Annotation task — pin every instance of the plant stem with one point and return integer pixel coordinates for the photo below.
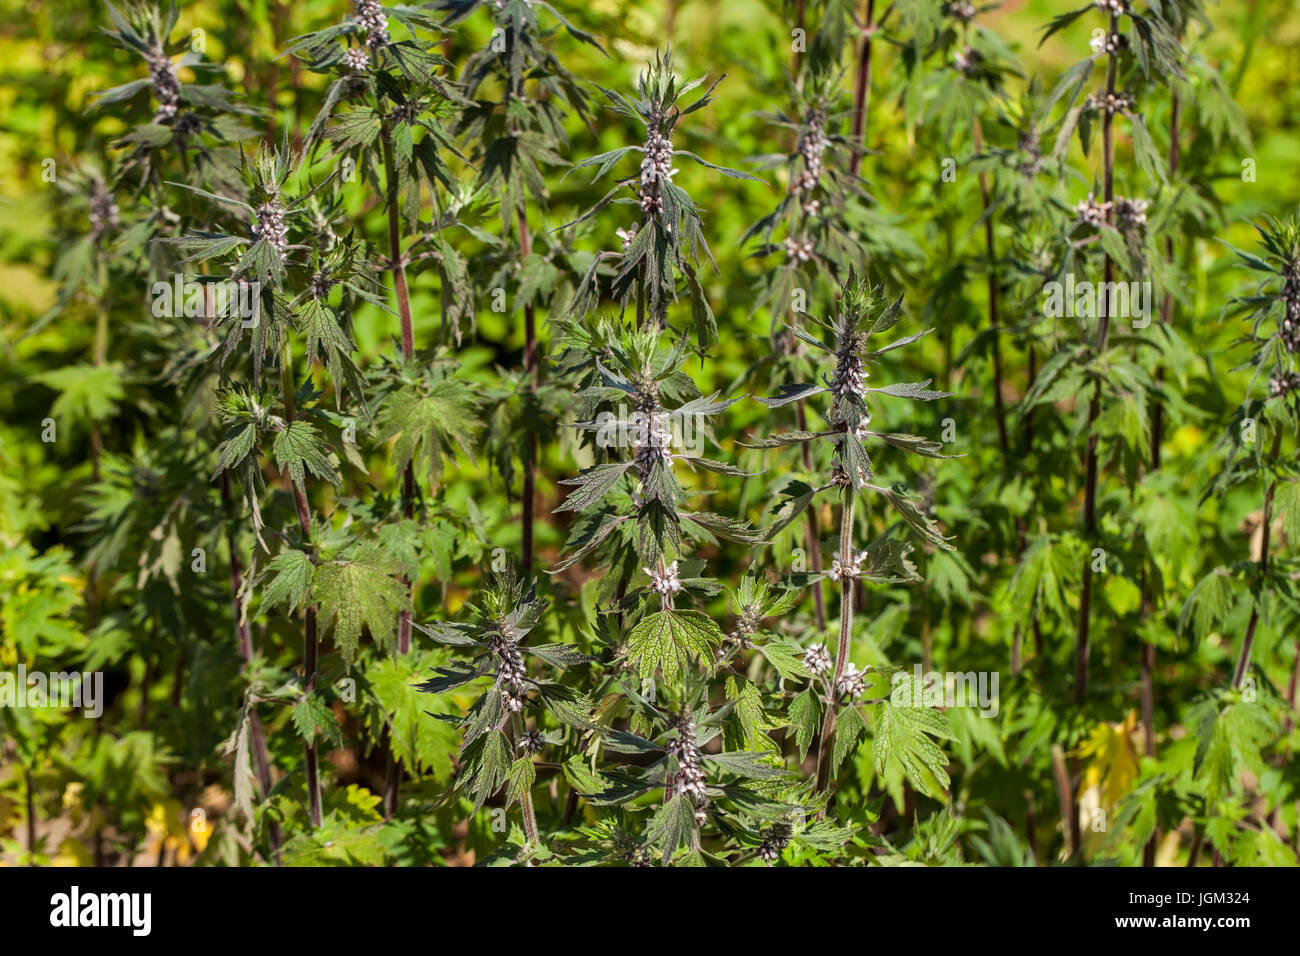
(986, 193)
(824, 753)
(1291, 692)
(812, 536)
(862, 90)
(1243, 660)
(526, 798)
(31, 815)
(393, 777)
(97, 441)
(244, 636)
(1031, 825)
(309, 640)
(1068, 814)
(1195, 850)
(1167, 304)
(1094, 407)
(403, 296)
(533, 371)
(1157, 429)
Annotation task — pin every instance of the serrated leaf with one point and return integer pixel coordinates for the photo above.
(520, 780)
(292, 581)
(485, 766)
(671, 827)
(905, 734)
(671, 641)
(300, 449)
(804, 715)
(592, 486)
(313, 718)
(361, 591)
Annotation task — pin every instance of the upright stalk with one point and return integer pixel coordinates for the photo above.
(244, 636)
(990, 249)
(1167, 304)
(309, 639)
(1065, 792)
(812, 535)
(393, 777)
(97, 441)
(243, 632)
(824, 753)
(862, 89)
(31, 815)
(1157, 437)
(533, 370)
(525, 798)
(1094, 407)
(1243, 659)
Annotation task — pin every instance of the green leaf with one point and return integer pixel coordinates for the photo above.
(1286, 502)
(485, 767)
(671, 827)
(292, 581)
(592, 486)
(849, 731)
(671, 641)
(300, 449)
(786, 657)
(588, 782)
(905, 502)
(87, 393)
(904, 734)
(238, 446)
(313, 718)
(520, 781)
(804, 714)
(747, 721)
(418, 740)
(361, 592)
(430, 421)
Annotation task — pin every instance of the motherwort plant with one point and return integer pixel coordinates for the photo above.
(521, 96)
(863, 312)
(666, 237)
(1118, 226)
(1267, 415)
(383, 115)
(819, 215)
(498, 745)
(344, 579)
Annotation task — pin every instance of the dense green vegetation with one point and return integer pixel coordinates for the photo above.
(577, 434)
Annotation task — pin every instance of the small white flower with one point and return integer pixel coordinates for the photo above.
(370, 17)
(663, 580)
(852, 682)
(799, 250)
(357, 60)
(1132, 213)
(817, 659)
(853, 570)
(1092, 213)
